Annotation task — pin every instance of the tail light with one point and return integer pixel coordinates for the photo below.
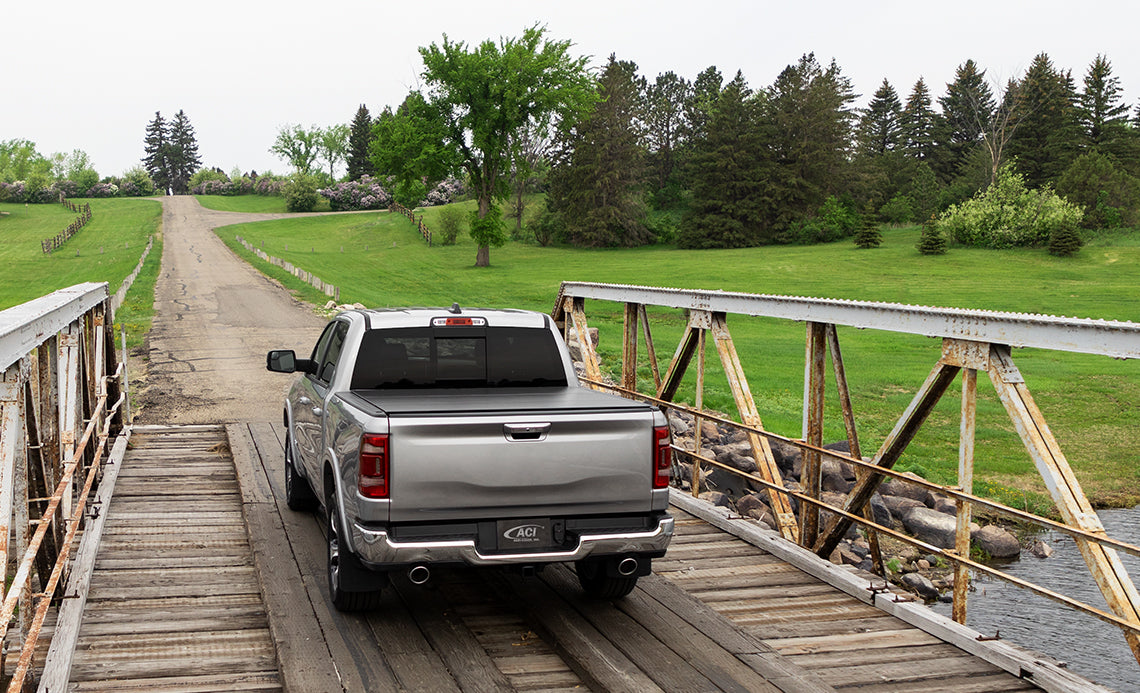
(662, 457)
(373, 477)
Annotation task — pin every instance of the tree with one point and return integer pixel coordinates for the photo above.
(182, 157)
(486, 94)
(298, 146)
(809, 112)
(664, 122)
(931, 241)
(410, 145)
(1109, 196)
(1047, 135)
(966, 109)
(359, 160)
(729, 176)
(332, 146)
(1065, 241)
(157, 149)
(916, 123)
(868, 236)
(530, 147)
(880, 128)
(597, 188)
(701, 100)
(1103, 116)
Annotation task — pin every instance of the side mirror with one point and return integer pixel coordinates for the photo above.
(281, 361)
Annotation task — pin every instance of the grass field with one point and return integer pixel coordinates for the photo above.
(1092, 403)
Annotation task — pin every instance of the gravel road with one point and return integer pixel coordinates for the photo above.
(215, 317)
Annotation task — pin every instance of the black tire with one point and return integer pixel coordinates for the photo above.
(299, 494)
(340, 561)
(597, 583)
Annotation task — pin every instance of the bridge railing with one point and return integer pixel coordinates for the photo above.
(972, 341)
(61, 399)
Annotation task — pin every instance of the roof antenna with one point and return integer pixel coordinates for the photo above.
(455, 309)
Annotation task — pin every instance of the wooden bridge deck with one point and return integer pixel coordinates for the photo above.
(180, 601)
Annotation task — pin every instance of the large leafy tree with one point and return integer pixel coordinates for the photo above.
(486, 94)
(880, 128)
(298, 146)
(729, 175)
(332, 146)
(597, 189)
(1047, 136)
(359, 161)
(157, 149)
(183, 156)
(967, 107)
(410, 145)
(916, 123)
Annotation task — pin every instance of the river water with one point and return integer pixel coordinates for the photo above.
(1092, 648)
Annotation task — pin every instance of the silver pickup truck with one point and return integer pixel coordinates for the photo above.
(449, 436)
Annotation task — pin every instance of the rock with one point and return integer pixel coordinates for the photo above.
(726, 482)
(945, 505)
(930, 526)
(900, 505)
(923, 564)
(750, 502)
(848, 557)
(716, 498)
(883, 514)
(898, 487)
(833, 480)
(330, 304)
(786, 456)
(920, 585)
(358, 306)
(997, 542)
(1041, 549)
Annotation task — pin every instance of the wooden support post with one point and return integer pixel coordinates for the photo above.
(629, 348)
(1104, 564)
(750, 416)
(856, 450)
(699, 405)
(904, 431)
(11, 452)
(815, 360)
(966, 485)
(677, 367)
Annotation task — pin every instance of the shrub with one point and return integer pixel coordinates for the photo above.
(136, 182)
(1008, 215)
(12, 192)
(106, 189)
(450, 222)
(898, 210)
(1109, 196)
(444, 192)
(365, 193)
(206, 175)
(1065, 240)
(69, 188)
(300, 193)
(548, 227)
(270, 186)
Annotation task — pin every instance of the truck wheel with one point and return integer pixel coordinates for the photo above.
(341, 562)
(298, 493)
(597, 583)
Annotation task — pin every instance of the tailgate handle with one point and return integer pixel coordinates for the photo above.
(526, 431)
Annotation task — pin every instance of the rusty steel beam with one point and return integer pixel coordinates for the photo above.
(904, 431)
(28, 325)
(750, 416)
(650, 350)
(1106, 337)
(698, 420)
(815, 362)
(1119, 592)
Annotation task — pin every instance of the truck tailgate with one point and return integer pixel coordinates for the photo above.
(528, 452)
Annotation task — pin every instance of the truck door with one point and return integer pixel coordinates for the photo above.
(308, 410)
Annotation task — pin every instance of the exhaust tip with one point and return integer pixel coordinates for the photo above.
(419, 574)
(627, 567)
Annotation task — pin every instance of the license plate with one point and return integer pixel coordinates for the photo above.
(524, 535)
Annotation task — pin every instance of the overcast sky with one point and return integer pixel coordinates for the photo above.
(90, 75)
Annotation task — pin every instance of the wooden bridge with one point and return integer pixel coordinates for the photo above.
(190, 574)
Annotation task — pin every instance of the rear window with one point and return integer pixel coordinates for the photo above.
(426, 357)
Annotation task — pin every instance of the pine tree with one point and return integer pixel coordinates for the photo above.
(665, 121)
(183, 153)
(157, 149)
(596, 189)
(868, 236)
(1047, 135)
(916, 123)
(1102, 109)
(728, 176)
(967, 108)
(879, 129)
(931, 241)
(359, 162)
(1065, 241)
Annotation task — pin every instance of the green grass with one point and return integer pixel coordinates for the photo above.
(259, 204)
(106, 250)
(1092, 403)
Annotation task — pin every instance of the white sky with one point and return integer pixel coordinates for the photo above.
(90, 75)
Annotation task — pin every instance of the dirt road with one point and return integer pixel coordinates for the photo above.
(215, 317)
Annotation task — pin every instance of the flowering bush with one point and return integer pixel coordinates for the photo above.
(103, 190)
(1009, 215)
(365, 193)
(445, 192)
(69, 188)
(136, 182)
(12, 192)
(270, 186)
